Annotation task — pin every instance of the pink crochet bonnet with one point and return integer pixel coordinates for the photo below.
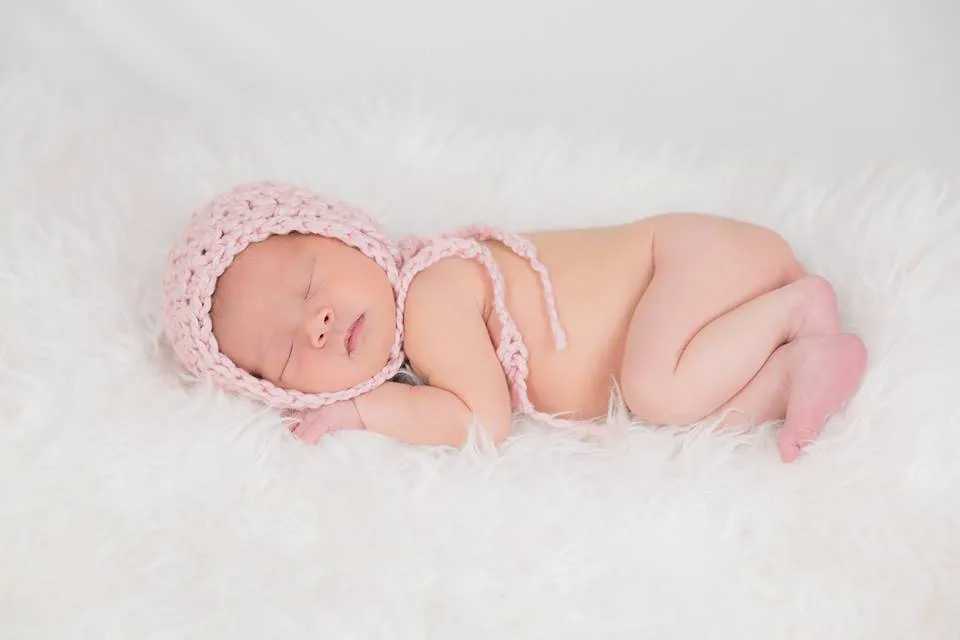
(216, 234)
(248, 213)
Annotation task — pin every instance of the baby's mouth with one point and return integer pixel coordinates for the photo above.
(352, 337)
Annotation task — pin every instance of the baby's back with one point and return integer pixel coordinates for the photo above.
(598, 277)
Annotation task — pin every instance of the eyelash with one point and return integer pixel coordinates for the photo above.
(306, 294)
(310, 282)
(287, 362)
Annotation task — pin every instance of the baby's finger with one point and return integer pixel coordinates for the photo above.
(308, 432)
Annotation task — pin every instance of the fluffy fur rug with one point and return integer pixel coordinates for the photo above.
(135, 507)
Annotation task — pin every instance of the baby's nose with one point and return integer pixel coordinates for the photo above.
(320, 325)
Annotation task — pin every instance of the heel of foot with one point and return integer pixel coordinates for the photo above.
(826, 378)
(818, 310)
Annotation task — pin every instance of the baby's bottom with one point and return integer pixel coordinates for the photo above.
(731, 323)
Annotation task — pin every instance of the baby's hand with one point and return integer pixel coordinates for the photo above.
(313, 424)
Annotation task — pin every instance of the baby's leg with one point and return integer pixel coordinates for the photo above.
(804, 381)
(714, 311)
(724, 297)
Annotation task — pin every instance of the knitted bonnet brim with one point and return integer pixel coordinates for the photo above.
(216, 234)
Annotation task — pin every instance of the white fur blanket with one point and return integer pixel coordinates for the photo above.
(133, 507)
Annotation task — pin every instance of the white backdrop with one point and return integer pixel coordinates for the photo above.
(134, 507)
(834, 80)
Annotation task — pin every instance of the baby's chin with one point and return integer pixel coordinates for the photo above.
(347, 380)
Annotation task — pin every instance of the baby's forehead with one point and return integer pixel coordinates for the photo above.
(265, 269)
(253, 267)
(276, 243)
(257, 255)
(268, 263)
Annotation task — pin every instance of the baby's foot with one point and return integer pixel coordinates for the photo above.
(825, 375)
(817, 311)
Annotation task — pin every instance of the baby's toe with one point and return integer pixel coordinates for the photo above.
(790, 446)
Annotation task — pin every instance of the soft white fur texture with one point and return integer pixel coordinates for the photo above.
(133, 506)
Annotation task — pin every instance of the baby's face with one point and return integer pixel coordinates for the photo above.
(305, 312)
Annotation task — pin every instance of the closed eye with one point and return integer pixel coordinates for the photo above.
(306, 293)
(286, 362)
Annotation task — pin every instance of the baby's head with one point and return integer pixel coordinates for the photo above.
(284, 296)
(305, 312)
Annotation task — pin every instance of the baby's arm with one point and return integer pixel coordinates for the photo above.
(415, 414)
(447, 340)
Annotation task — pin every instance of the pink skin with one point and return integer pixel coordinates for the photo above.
(822, 367)
(313, 425)
(825, 372)
(311, 313)
(809, 377)
(305, 312)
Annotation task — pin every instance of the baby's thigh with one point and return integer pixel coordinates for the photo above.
(704, 267)
(710, 257)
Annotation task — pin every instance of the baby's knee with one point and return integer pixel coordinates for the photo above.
(658, 398)
(781, 256)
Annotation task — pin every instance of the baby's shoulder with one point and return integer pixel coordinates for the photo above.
(446, 295)
(449, 284)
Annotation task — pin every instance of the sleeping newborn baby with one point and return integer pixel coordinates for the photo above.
(305, 304)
